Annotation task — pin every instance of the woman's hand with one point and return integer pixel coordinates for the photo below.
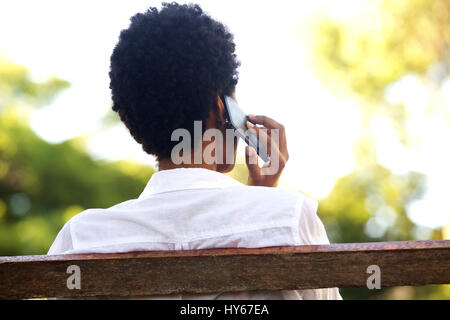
(270, 173)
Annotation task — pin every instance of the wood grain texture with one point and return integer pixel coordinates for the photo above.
(224, 270)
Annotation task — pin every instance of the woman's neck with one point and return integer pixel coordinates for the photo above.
(167, 164)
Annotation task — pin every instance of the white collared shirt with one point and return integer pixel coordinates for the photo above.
(186, 209)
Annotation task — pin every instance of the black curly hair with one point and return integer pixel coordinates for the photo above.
(167, 71)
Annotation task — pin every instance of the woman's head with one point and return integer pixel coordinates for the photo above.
(167, 71)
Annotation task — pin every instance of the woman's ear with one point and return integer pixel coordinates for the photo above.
(220, 110)
(216, 118)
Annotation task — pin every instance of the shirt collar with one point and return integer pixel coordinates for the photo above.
(186, 179)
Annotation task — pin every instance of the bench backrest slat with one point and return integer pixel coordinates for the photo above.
(225, 270)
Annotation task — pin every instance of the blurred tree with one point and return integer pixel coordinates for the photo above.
(366, 57)
(369, 205)
(42, 185)
(17, 86)
(398, 38)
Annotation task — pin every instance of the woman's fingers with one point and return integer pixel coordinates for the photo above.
(265, 121)
(262, 134)
(271, 124)
(251, 159)
(267, 135)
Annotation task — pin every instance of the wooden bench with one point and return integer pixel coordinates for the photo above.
(223, 270)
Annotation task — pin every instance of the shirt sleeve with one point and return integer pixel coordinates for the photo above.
(63, 241)
(311, 228)
(312, 232)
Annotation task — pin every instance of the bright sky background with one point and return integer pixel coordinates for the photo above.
(73, 40)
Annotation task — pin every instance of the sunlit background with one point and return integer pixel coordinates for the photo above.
(362, 87)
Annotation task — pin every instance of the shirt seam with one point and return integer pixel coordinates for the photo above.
(144, 196)
(286, 223)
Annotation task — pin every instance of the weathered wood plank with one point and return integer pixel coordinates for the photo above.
(223, 270)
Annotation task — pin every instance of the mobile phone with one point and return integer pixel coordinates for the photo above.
(237, 119)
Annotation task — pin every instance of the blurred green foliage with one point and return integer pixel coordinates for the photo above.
(400, 37)
(43, 185)
(16, 84)
(364, 57)
(369, 205)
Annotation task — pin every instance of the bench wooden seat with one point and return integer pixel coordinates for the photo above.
(223, 270)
